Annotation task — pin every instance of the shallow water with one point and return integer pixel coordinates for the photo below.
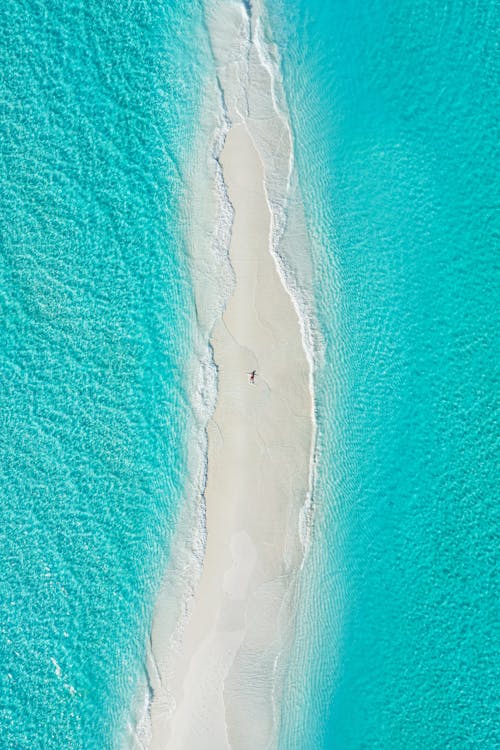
(98, 112)
(392, 110)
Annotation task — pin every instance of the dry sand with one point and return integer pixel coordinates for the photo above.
(223, 677)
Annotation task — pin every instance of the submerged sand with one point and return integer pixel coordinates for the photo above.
(217, 686)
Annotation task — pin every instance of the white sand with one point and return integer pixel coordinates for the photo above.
(218, 687)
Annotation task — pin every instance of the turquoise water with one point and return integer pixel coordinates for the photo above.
(98, 105)
(392, 106)
(394, 110)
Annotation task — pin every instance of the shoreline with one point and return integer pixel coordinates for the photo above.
(260, 455)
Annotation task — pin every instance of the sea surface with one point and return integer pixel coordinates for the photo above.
(394, 108)
(98, 105)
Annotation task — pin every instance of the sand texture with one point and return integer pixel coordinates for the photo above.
(258, 464)
(217, 685)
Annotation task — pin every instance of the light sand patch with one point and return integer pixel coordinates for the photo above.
(216, 681)
(223, 674)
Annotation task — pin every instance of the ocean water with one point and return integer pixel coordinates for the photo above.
(392, 107)
(394, 113)
(98, 110)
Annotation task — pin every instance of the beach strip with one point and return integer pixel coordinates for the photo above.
(219, 686)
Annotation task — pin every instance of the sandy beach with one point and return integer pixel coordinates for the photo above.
(218, 685)
(259, 449)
